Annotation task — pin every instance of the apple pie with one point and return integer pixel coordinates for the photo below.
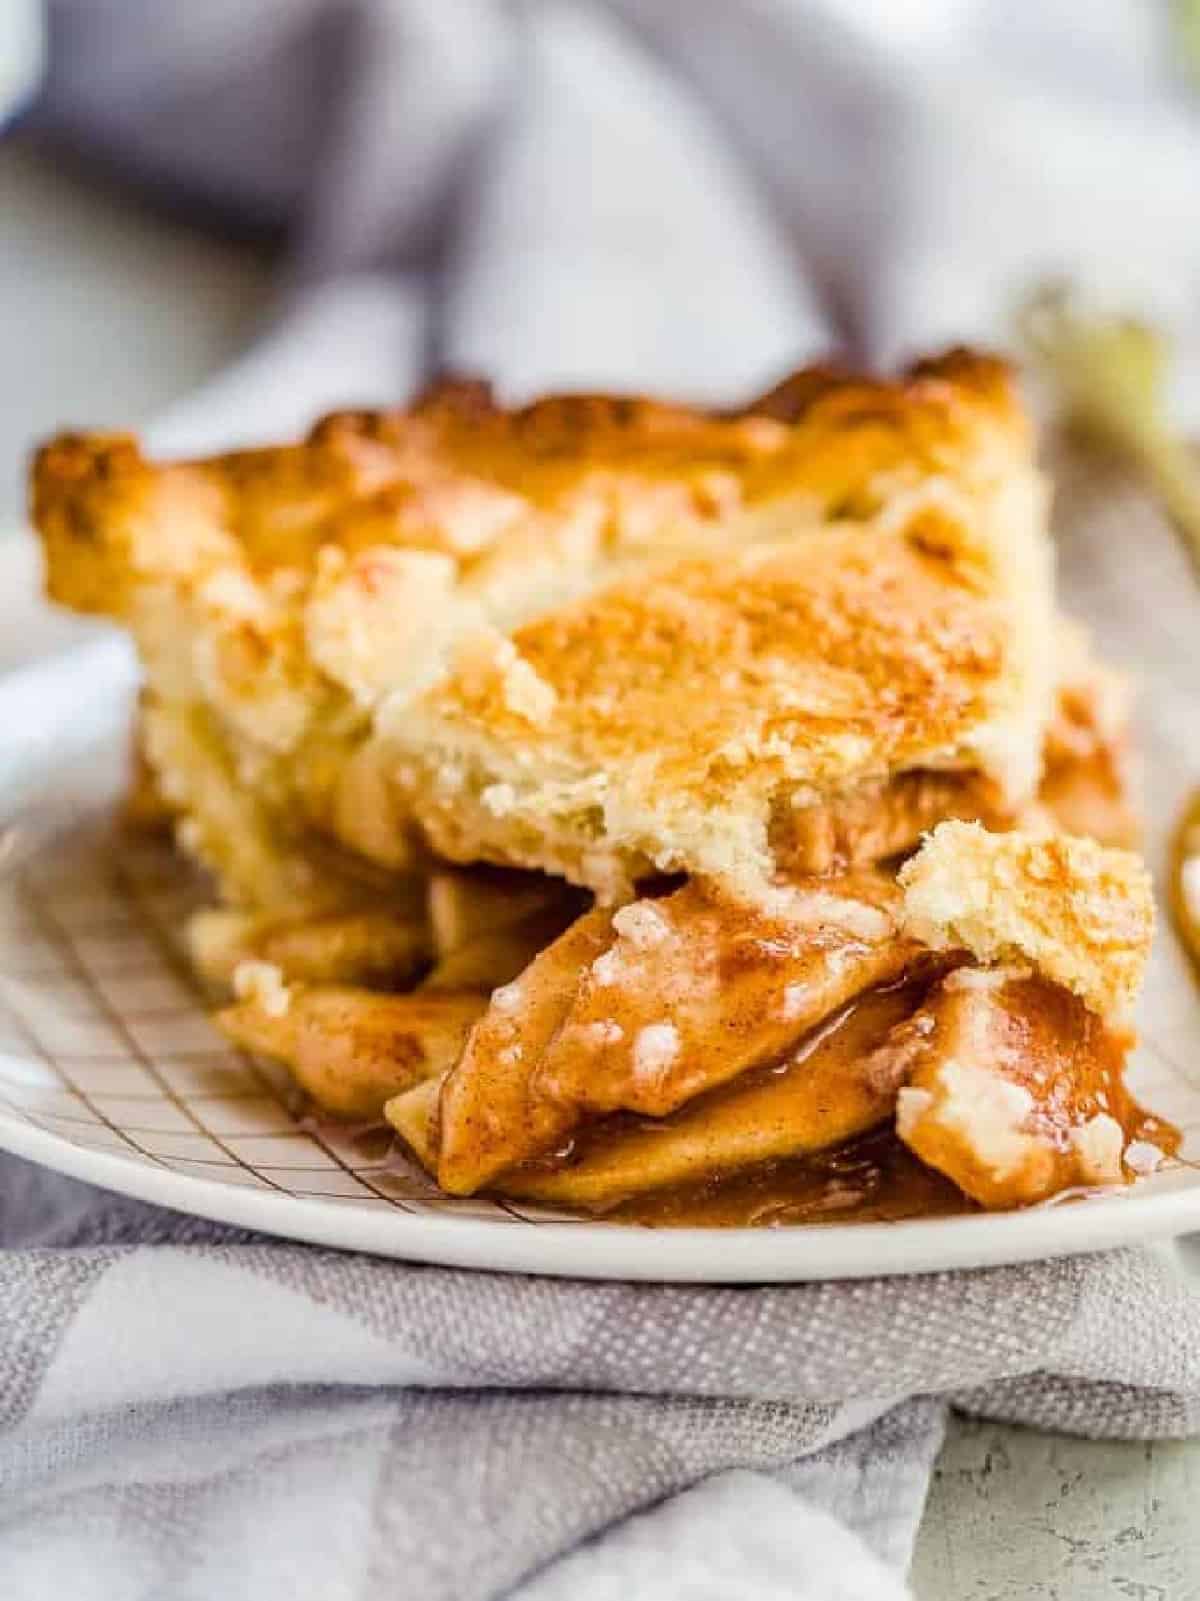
(623, 799)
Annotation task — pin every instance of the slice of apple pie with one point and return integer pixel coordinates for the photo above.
(631, 798)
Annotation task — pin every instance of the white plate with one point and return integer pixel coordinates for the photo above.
(110, 1071)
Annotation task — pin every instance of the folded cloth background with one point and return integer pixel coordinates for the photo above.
(681, 198)
(686, 198)
(189, 1412)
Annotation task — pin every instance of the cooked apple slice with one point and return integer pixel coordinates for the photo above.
(414, 1115)
(499, 955)
(488, 924)
(351, 1049)
(681, 994)
(488, 1110)
(818, 1096)
(1014, 1088)
(465, 904)
(697, 988)
(364, 947)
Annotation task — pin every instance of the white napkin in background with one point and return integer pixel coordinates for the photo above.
(677, 195)
(681, 195)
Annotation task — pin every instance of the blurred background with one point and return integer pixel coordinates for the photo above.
(218, 219)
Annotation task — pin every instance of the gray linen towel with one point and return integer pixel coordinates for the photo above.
(191, 1412)
(682, 198)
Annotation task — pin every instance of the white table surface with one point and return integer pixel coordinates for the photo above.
(110, 312)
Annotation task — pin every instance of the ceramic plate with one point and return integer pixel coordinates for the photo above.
(110, 1070)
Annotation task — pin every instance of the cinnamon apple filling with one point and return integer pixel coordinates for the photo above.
(877, 820)
(1004, 1083)
(816, 1096)
(642, 1009)
(972, 1004)
(684, 1040)
(1010, 1086)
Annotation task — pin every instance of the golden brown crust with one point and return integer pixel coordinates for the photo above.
(106, 517)
(287, 594)
(1080, 914)
(674, 721)
(396, 477)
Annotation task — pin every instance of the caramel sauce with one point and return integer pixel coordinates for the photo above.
(873, 1179)
(725, 1160)
(813, 1101)
(1143, 1125)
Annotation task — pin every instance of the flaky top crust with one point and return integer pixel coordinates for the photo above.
(459, 475)
(1080, 914)
(842, 579)
(679, 714)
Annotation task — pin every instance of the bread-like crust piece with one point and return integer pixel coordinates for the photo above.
(1078, 913)
(280, 598)
(689, 718)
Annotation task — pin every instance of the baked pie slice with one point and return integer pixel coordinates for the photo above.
(599, 786)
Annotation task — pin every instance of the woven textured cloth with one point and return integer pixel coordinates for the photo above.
(187, 1411)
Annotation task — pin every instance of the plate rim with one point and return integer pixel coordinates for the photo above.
(794, 1254)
